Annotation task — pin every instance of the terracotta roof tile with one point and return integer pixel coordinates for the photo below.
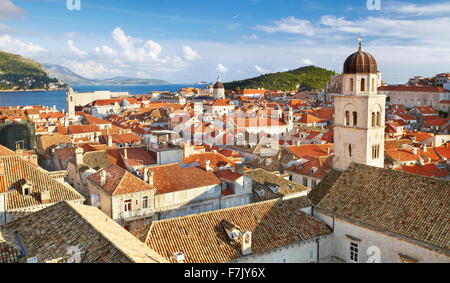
(202, 238)
(414, 206)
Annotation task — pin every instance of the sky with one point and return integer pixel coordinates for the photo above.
(189, 41)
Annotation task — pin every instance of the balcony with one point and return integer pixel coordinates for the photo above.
(137, 214)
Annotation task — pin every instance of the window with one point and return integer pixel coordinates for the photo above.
(373, 84)
(378, 119)
(373, 119)
(127, 205)
(354, 251)
(347, 118)
(351, 84)
(355, 118)
(145, 202)
(363, 84)
(350, 150)
(375, 152)
(305, 181)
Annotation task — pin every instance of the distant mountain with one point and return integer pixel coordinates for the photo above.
(72, 78)
(66, 75)
(20, 73)
(132, 81)
(310, 78)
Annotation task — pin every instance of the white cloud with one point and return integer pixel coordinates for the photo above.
(9, 44)
(307, 62)
(429, 9)
(150, 50)
(289, 25)
(189, 54)
(261, 70)
(106, 51)
(9, 10)
(221, 68)
(92, 69)
(250, 37)
(75, 50)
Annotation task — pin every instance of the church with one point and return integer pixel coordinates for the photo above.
(359, 114)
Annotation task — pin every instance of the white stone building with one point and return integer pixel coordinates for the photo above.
(359, 114)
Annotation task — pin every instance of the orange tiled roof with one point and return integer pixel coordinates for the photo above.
(429, 170)
(17, 171)
(173, 177)
(202, 238)
(119, 181)
(311, 150)
(412, 88)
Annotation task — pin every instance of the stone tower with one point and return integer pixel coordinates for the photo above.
(359, 114)
(219, 90)
(70, 103)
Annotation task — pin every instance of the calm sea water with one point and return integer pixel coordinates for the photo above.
(58, 98)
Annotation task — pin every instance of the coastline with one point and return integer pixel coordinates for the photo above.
(32, 90)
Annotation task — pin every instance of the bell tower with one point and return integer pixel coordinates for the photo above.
(219, 90)
(70, 103)
(359, 114)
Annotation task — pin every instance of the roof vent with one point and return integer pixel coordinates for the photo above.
(45, 197)
(26, 188)
(260, 192)
(232, 230)
(179, 257)
(273, 187)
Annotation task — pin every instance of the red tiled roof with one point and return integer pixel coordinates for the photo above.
(429, 170)
(119, 181)
(228, 175)
(311, 150)
(173, 177)
(413, 88)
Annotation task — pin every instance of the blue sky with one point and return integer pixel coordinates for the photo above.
(188, 41)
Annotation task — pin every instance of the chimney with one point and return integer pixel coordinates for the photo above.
(208, 166)
(239, 167)
(102, 178)
(125, 154)
(179, 257)
(424, 148)
(2, 168)
(150, 178)
(415, 150)
(109, 140)
(79, 155)
(328, 150)
(45, 197)
(145, 175)
(246, 246)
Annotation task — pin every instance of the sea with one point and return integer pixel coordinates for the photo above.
(58, 98)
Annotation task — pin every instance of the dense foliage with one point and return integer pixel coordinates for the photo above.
(19, 73)
(310, 78)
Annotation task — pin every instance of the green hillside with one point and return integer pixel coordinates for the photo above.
(19, 73)
(310, 78)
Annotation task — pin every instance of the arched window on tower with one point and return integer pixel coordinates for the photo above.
(378, 119)
(350, 148)
(373, 84)
(363, 84)
(347, 118)
(351, 84)
(355, 118)
(373, 119)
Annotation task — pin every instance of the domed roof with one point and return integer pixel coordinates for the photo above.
(125, 103)
(218, 85)
(360, 62)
